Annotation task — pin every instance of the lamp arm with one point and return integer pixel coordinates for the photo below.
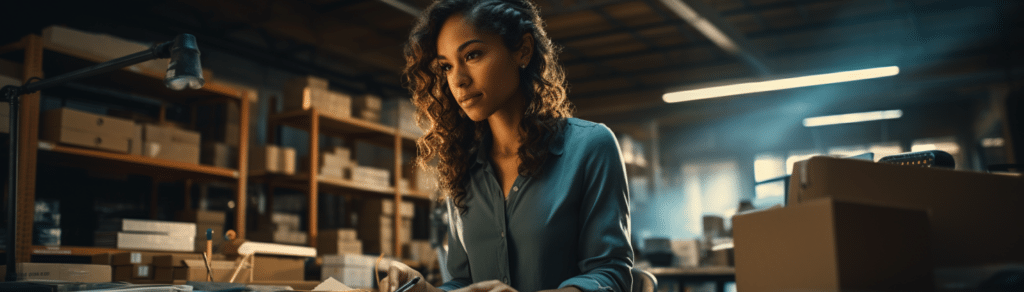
(162, 50)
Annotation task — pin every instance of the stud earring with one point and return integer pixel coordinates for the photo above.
(522, 66)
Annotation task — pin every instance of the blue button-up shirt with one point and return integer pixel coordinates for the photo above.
(566, 226)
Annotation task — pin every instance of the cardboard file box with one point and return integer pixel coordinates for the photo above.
(975, 217)
(829, 245)
(68, 126)
(64, 272)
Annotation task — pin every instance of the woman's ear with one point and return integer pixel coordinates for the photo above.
(525, 51)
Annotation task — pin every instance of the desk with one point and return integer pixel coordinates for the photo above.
(682, 276)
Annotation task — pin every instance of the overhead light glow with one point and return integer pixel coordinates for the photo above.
(779, 84)
(852, 118)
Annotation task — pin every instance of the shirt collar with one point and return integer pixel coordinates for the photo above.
(556, 145)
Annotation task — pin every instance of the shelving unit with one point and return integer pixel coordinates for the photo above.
(132, 79)
(310, 181)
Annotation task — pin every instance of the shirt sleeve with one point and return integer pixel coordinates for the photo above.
(606, 255)
(458, 261)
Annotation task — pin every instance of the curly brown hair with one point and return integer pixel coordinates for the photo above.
(450, 135)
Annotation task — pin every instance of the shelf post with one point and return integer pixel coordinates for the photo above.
(28, 125)
(241, 195)
(314, 177)
(398, 194)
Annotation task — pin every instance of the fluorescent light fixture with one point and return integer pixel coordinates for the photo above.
(779, 84)
(852, 118)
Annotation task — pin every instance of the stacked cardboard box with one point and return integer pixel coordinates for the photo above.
(687, 253)
(138, 234)
(338, 241)
(371, 176)
(170, 143)
(205, 219)
(405, 112)
(271, 159)
(82, 273)
(367, 107)
(170, 267)
(310, 92)
(829, 245)
(284, 229)
(79, 128)
(336, 163)
(195, 270)
(426, 180)
(218, 154)
(376, 225)
(133, 266)
(420, 251)
(353, 270)
(279, 268)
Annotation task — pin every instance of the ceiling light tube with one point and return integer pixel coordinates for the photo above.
(852, 118)
(779, 84)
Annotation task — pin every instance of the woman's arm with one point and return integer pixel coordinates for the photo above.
(606, 256)
(458, 260)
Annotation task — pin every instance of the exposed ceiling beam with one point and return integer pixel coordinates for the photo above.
(707, 21)
(404, 7)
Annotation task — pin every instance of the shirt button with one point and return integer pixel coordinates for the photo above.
(505, 279)
(503, 234)
(515, 189)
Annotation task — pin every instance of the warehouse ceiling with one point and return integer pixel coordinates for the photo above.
(622, 55)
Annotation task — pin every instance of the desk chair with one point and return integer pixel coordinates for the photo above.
(643, 281)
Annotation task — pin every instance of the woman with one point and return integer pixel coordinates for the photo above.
(542, 197)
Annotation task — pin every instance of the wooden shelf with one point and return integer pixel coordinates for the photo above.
(137, 79)
(120, 162)
(347, 127)
(72, 250)
(299, 181)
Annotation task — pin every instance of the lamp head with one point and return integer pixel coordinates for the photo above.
(184, 69)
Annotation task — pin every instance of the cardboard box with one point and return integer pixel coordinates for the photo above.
(356, 271)
(829, 245)
(379, 207)
(133, 258)
(279, 268)
(181, 152)
(167, 134)
(340, 234)
(328, 246)
(420, 251)
(354, 277)
(286, 160)
(172, 228)
(218, 154)
(204, 216)
(264, 159)
(975, 217)
(195, 270)
(687, 252)
(367, 102)
(69, 126)
(65, 272)
(377, 233)
(163, 274)
(327, 102)
(142, 241)
(133, 272)
(175, 260)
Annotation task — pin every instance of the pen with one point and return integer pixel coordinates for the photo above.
(209, 242)
(405, 287)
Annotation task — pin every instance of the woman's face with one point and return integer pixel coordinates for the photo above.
(482, 74)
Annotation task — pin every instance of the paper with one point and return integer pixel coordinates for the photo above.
(331, 285)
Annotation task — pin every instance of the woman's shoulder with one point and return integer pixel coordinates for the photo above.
(586, 135)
